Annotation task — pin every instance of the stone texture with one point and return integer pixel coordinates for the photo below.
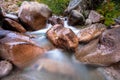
(104, 51)
(18, 48)
(9, 24)
(5, 68)
(94, 17)
(91, 32)
(62, 37)
(76, 18)
(34, 15)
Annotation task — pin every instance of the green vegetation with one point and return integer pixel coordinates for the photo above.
(57, 6)
(110, 10)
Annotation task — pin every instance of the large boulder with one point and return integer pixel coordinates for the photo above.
(91, 32)
(62, 37)
(34, 15)
(76, 18)
(18, 48)
(104, 51)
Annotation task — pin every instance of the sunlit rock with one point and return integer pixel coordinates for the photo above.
(91, 32)
(104, 51)
(18, 48)
(5, 68)
(9, 24)
(34, 15)
(62, 37)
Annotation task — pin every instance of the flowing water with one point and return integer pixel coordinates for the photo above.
(56, 64)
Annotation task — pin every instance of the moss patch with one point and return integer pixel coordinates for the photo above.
(110, 10)
(57, 6)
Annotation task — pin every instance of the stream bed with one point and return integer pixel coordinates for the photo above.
(56, 64)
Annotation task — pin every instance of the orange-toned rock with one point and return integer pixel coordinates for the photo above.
(10, 24)
(34, 15)
(18, 49)
(62, 37)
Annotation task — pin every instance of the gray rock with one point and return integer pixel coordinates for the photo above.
(82, 5)
(76, 18)
(5, 68)
(94, 17)
(34, 15)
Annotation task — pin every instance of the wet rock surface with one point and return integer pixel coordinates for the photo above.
(9, 24)
(91, 32)
(18, 49)
(62, 37)
(34, 15)
(5, 68)
(102, 52)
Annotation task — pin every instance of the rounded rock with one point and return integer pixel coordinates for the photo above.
(5, 68)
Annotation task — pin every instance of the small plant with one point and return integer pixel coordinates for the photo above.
(57, 6)
(110, 10)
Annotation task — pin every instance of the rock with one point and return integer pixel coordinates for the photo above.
(82, 5)
(5, 68)
(55, 20)
(91, 32)
(94, 17)
(9, 24)
(34, 15)
(104, 51)
(62, 37)
(76, 18)
(18, 48)
(117, 20)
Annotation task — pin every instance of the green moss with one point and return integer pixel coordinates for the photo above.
(57, 6)
(110, 10)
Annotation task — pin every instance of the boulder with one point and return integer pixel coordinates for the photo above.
(33, 15)
(91, 32)
(104, 51)
(18, 48)
(82, 5)
(5, 68)
(94, 17)
(9, 24)
(76, 18)
(62, 37)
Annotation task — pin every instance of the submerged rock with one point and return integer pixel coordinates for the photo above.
(62, 37)
(105, 51)
(76, 18)
(94, 17)
(5, 68)
(91, 32)
(18, 48)
(34, 15)
(9, 24)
